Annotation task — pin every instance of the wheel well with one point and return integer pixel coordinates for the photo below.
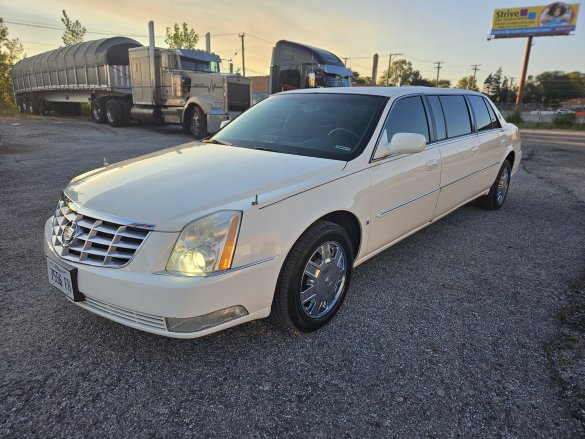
(510, 157)
(350, 223)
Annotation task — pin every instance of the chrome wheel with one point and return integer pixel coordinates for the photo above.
(503, 183)
(195, 125)
(323, 280)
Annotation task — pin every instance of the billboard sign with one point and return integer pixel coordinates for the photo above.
(554, 19)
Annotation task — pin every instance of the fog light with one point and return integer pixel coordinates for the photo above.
(199, 323)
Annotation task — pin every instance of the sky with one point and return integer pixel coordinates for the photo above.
(452, 31)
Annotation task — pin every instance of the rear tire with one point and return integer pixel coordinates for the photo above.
(314, 279)
(114, 113)
(499, 190)
(125, 106)
(98, 111)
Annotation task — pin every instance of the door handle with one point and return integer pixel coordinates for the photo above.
(474, 149)
(431, 164)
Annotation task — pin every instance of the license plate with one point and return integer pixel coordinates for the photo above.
(64, 280)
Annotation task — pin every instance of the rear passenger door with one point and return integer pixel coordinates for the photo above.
(492, 141)
(405, 186)
(459, 153)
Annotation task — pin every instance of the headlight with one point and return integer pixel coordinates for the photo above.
(206, 244)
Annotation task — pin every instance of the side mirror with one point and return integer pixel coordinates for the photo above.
(312, 79)
(407, 143)
(223, 123)
(401, 143)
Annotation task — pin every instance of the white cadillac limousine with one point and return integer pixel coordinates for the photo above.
(272, 213)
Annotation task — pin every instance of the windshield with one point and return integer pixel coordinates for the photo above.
(334, 126)
(199, 66)
(332, 80)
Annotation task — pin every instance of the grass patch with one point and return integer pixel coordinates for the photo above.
(548, 126)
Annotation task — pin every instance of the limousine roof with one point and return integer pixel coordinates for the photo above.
(387, 91)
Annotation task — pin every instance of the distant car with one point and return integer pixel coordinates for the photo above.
(564, 111)
(273, 212)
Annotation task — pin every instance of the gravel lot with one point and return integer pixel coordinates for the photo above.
(458, 331)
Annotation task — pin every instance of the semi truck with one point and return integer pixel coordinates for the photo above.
(296, 65)
(123, 80)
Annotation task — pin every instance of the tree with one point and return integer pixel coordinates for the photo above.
(181, 38)
(74, 31)
(11, 51)
(401, 73)
(360, 80)
(468, 83)
(444, 83)
(493, 85)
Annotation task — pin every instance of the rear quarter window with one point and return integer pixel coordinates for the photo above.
(483, 120)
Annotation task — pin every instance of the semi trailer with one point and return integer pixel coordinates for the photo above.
(123, 80)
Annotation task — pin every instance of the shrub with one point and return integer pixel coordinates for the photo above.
(514, 117)
(564, 120)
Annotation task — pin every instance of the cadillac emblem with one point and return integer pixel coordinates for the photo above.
(70, 232)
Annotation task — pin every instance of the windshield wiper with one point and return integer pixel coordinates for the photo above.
(261, 148)
(217, 142)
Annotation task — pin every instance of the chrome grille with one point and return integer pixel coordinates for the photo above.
(124, 315)
(93, 241)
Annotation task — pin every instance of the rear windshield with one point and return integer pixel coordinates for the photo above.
(334, 126)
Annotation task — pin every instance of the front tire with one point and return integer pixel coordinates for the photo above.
(499, 190)
(314, 279)
(196, 123)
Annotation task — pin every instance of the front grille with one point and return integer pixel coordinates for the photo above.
(238, 96)
(92, 241)
(124, 315)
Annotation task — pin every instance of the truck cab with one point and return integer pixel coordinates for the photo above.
(296, 66)
(189, 89)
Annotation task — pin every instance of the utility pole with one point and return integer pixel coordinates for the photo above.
(438, 64)
(475, 68)
(374, 70)
(242, 35)
(524, 70)
(389, 64)
(345, 61)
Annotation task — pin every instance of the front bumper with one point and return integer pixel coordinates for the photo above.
(216, 117)
(143, 299)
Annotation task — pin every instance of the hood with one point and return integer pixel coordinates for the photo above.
(171, 187)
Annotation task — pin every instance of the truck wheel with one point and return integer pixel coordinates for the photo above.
(98, 112)
(125, 111)
(114, 113)
(198, 123)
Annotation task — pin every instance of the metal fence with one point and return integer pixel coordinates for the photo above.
(541, 114)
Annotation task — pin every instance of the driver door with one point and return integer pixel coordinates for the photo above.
(405, 187)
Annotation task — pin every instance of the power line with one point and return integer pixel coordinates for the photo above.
(261, 39)
(93, 32)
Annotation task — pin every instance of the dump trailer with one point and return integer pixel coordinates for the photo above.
(296, 65)
(123, 80)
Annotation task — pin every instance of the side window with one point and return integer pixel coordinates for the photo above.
(483, 120)
(407, 116)
(493, 117)
(456, 115)
(439, 117)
